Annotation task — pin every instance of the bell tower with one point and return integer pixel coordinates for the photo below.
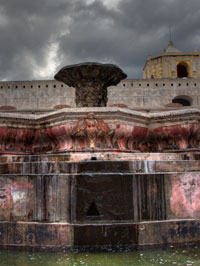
(173, 63)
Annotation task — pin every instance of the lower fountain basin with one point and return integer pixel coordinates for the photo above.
(47, 201)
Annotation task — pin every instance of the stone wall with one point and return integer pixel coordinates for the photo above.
(153, 92)
(45, 94)
(134, 93)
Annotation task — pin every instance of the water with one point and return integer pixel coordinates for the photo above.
(188, 256)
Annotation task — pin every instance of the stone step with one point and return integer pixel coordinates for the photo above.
(34, 158)
(100, 236)
(101, 167)
(83, 156)
(137, 166)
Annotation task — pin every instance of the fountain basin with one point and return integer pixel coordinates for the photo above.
(48, 202)
(91, 80)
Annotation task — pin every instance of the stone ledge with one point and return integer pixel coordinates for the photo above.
(97, 236)
(107, 113)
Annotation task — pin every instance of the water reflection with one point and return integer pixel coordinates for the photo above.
(189, 256)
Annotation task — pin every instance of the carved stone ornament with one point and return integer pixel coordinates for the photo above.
(91, 127)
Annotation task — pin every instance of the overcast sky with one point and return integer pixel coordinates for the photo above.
(38, 37)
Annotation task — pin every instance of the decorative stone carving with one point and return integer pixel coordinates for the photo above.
(91, 127)
(101, 129)
(91, 81)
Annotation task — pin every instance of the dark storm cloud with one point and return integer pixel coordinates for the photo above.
(26, 31)
(124, 34)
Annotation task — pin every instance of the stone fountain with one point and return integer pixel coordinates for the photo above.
(97, 176)
(91, 81)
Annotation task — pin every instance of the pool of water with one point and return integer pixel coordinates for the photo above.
(187, 256)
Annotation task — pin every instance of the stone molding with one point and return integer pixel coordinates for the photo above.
(124, 115)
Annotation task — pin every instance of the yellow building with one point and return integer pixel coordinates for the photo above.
(172, 63)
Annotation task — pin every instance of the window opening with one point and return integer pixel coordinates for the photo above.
(182, 71)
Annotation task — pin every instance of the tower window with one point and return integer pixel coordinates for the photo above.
(182, 70)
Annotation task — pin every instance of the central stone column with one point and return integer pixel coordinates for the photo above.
(91, 81)
(91, 93)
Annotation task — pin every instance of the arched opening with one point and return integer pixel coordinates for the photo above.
(182, 70)
(183, 100)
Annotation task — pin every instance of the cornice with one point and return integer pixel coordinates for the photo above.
(109, 114)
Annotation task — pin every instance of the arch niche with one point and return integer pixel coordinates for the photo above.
(182, 70)
(184, 100)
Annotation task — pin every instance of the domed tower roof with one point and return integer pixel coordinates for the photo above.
(172, 63)
(171, 48)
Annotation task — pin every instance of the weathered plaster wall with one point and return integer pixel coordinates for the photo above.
(35, 94)
(185, 192)
(35, 197)
(153, 93)
(131, 92)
